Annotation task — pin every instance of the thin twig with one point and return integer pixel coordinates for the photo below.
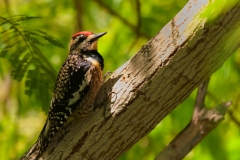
(200, 98)
(138, 12)
(201, 94)
(138, 9)
(79, 14)
(114, 13)
(233, 118)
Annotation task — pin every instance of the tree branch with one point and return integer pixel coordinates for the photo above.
(152, 83)
(203, 122)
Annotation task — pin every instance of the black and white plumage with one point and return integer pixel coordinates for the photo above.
(78, 82)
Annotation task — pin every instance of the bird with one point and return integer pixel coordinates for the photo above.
(77, 85)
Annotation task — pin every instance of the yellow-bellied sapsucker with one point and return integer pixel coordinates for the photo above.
(78, 83)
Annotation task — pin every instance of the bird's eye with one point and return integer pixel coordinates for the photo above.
(81, 38)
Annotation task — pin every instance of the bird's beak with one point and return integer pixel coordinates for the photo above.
(95, 37)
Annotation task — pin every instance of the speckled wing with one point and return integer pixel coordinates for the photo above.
(70, 89)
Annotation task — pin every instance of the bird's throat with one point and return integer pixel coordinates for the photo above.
(93, 45)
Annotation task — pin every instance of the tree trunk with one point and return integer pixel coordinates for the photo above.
(137, 96)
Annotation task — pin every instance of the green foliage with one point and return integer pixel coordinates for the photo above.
(20, 46)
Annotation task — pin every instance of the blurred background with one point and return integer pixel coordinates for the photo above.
(34, 39)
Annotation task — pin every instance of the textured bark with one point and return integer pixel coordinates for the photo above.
(151, 84)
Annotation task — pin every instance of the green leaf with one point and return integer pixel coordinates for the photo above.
(27, 61)
(4, 53)
(41, 60)
(20, 18)
(31, 81)
(21, 67)
(53, 41)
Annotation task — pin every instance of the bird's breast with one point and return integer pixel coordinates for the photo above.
(94, 62)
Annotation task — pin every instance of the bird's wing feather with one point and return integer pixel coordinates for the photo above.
(70, 88)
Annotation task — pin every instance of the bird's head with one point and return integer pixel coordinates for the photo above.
(85, 41)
